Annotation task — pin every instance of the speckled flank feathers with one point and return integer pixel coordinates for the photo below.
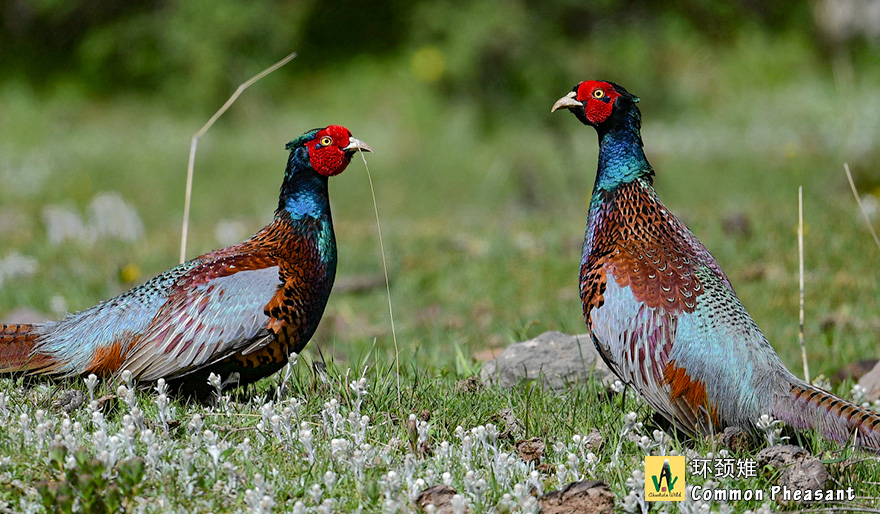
(662, 313)
(239, 311)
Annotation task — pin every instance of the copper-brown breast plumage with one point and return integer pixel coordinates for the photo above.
(291, 310)
(639, 242)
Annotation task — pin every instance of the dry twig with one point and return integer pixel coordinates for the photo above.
(852, 185)
(800, 236)
(201, 132)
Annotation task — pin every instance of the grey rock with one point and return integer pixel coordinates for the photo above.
(871, 382)
(554, 358)
(780, 456)
(594, 440)
(809, 473)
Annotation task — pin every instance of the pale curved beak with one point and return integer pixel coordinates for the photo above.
(568, 101)
(356, 144)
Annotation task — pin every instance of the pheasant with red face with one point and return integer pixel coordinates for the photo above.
(238, 312)
(662, 313)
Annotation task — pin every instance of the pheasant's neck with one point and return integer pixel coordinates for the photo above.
(621, 162)
(304, 207)
(303, 192)
(621, 158)
(310, 201)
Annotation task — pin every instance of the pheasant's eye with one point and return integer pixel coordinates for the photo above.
(598, 93)
(326, 141)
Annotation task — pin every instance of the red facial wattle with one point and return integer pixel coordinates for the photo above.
(326, 154)
(598, 106)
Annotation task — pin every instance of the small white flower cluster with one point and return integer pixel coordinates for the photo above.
(14, 265)
(822, 382)
(579, 462)
(632, 431)
(333, 456)
(259, 499)
(630, 424)
(109, 217)
(699, 506)
(634, 501)
(477, 458)
(859, 394)
(772, 429)
(198, 458)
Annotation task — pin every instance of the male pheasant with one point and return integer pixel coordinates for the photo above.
(238, 312)
(662, 313)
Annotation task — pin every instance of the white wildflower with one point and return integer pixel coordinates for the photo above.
(772, 429)
(458, 504)
(316, 493)
(111, 217)
(329, 481)
(16, 265)
(91, 383)
(326, 506)
(858, 393)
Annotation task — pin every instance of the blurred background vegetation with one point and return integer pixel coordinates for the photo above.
(482, 192)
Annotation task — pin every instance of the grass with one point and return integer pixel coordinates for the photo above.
(338, 440)
(483, 224)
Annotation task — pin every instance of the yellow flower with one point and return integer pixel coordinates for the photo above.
(130, 273)
(428, 64)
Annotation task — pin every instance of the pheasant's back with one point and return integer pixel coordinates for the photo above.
(110, 327)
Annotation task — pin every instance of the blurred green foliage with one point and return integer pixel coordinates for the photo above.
(498, 51)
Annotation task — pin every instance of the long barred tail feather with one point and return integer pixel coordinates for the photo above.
(835, 418)
(16, 350)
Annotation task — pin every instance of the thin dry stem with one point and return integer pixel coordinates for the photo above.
(852, 185)
(195, 142)
(387, 282)
(800, 236)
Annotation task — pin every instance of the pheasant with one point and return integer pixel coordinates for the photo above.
(237, 312)
(662, 313)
